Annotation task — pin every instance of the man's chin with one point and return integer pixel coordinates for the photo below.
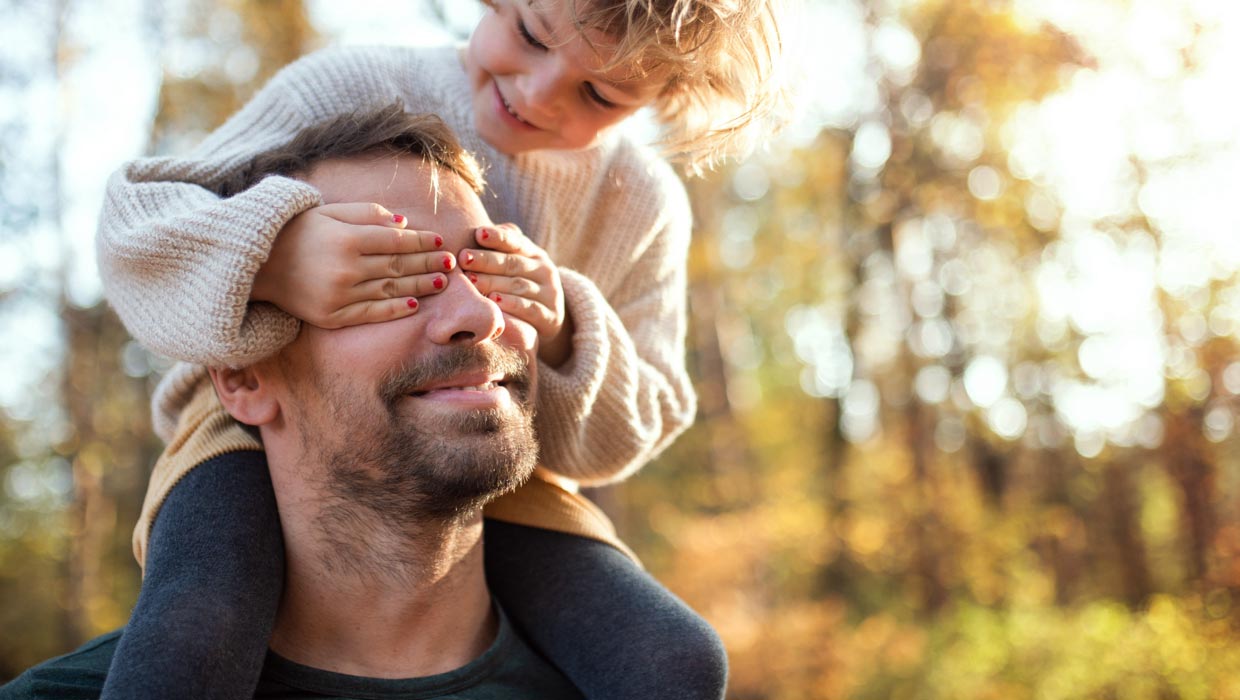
(452, 425)
(482, 462)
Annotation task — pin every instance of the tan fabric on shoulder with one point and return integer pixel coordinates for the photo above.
(206, 431)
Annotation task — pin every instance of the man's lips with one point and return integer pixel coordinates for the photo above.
(475, 382)
(482, 377)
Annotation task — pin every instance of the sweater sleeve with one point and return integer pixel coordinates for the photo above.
(178, 262)
(624, 394)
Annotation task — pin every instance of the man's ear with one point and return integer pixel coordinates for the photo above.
(246, 394)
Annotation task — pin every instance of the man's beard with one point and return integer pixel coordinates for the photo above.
(420, 469)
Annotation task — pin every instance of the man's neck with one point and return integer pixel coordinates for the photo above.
(386, 604)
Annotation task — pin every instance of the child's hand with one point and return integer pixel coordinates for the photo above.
(345, 264)
(520, 277)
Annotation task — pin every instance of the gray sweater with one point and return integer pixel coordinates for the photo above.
(178, 262)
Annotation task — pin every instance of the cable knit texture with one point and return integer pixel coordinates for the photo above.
(178, 262)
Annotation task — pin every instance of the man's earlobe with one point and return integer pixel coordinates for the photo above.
(245, 395)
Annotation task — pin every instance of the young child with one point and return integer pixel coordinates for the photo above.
(215, 280)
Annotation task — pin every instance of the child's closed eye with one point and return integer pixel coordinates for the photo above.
(529, 38)
(598, 98)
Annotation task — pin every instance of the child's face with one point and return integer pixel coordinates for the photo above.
(537, 83)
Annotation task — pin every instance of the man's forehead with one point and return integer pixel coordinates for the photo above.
(433, 199)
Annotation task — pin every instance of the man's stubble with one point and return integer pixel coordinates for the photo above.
(389, 473)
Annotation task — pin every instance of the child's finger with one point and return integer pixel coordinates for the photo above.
(374, 311)
(394, 287)
(383, 240)
(371, 267)
(510, 286)
(495, 263)
(528, 310)
(506, 238)
(363, 213)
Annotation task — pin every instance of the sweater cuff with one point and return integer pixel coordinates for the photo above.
(258, 330)
(568, 395)
(585, 366)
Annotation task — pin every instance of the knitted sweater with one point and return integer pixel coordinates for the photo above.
(178, 262)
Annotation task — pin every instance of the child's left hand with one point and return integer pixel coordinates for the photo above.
(520, 277)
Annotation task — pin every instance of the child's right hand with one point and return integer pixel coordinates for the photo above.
(342, 265)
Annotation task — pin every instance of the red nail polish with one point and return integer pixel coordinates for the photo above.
(447, 262)
(438, 283)
(411, 303)
(469, 257)
(398, 218)
(485, 234)
(498, 298)
(438, 241)
(473, 278)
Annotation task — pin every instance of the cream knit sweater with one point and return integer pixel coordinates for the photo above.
(178, 262)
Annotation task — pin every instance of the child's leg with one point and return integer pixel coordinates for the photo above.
(214, 573)
(609, 626)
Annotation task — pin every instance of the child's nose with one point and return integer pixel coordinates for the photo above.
(544, 90)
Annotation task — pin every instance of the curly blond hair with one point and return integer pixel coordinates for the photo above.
(725, 87)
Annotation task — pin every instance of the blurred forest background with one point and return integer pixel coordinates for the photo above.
(965, 338)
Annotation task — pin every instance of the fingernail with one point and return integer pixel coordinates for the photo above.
(473, 278)
(485, 234)
(498, 298)
(438, 241)
(411, 303)
(398, 218)
(447, 262)
(468, 257)
(438, 283)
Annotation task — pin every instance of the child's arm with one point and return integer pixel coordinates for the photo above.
(622, 393)
(179, 263)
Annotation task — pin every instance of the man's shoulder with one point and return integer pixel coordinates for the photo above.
(78, 674)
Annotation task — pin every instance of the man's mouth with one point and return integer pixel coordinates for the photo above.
(478, 377)
(474, 385)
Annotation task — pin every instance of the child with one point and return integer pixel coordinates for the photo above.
(535, 96)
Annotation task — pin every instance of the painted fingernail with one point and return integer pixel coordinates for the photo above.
(498, 298)
(447, 262)
(438, 241)
(485, 234)
(398, 218)
(411, 303)
(473, 278)
(468, 257)
(438, 283)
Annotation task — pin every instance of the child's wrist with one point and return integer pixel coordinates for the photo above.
(557, 351)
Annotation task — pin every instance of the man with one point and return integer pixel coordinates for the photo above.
(384, 442)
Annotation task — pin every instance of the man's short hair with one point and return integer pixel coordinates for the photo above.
(386, 130)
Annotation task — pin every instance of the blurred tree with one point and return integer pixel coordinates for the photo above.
(912, 476)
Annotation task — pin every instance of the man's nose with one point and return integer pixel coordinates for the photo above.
(462, 315)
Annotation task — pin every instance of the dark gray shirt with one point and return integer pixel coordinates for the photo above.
(509, 669)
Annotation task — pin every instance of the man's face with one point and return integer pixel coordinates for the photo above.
(425, 416)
